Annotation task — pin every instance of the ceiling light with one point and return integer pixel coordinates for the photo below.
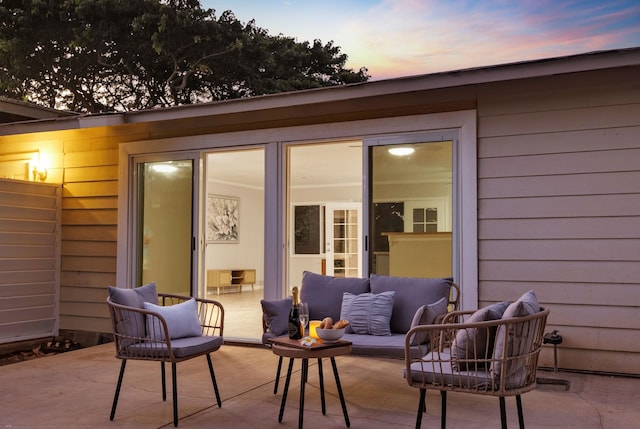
(164, 168)
(401, 151)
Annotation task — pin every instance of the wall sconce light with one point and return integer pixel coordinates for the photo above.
(39, 167)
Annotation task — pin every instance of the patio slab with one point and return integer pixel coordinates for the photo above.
(75, 390)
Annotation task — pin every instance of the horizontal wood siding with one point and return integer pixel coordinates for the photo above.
(29, 260)
(559, 209)
(89, 232)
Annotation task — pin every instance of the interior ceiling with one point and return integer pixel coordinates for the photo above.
(334, 164)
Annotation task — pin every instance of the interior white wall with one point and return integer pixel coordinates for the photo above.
(248, 252)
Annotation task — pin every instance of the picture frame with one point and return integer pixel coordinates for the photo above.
(223, 219)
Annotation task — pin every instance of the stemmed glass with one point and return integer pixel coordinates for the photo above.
(303, 314)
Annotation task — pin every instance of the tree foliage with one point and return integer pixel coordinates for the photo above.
(113, 55)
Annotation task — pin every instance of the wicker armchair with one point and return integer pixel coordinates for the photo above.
(133, 340)
(499, 359)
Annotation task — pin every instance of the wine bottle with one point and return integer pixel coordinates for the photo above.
(295, 327)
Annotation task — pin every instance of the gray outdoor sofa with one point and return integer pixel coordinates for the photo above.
(380, 309)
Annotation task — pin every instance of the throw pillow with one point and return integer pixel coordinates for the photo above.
(427, 315)
(324, 293)
(526, 305)
(411, 294)
(182, 320)
(477, 343)
(368, 313)
(276, 314)
(135, 297)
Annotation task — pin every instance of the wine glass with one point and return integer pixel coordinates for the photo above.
(303, 314)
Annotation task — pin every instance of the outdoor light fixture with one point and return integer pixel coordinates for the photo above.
(39, 167)
(401, 151)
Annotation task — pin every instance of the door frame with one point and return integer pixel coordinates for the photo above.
(463, 121)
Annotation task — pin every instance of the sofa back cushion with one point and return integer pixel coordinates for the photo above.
(410, 294)
(324, 294)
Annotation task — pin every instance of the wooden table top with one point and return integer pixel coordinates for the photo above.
(286, 347)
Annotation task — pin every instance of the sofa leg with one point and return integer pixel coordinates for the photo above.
(503, 413)
(520, 415)
(443, 418)
(421, 407)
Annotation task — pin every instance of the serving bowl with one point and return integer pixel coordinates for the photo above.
(330, 335)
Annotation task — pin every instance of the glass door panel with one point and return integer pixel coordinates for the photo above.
(411, 209)
(234, 219)
(324, 195)
(164, 249)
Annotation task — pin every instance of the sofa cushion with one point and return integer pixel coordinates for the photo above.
(324, 293)
(368, 313)
(182, 320)
(411, 294)
(427, 315)
(516, 339)
(276, 315)
(477, 343)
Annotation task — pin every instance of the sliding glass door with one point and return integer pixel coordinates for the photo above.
(411, 195)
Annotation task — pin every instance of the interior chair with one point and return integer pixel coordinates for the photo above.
(178, 329)
(495, 355)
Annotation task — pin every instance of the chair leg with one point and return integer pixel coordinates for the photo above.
(213, 380)
(503, 413)
(163, 377)
(275, 386)
(520, 415)
(443, 417)
(115, 397)
(422, 405)
(174, 381)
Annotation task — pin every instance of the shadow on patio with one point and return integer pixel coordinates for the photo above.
(75, 390)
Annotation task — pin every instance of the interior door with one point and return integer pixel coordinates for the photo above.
(165, 227)
(343, 249)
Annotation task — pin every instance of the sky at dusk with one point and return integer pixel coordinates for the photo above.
(395, 38)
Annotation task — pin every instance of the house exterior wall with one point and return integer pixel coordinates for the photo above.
(558, 199)
(89, 231)
(559, 209)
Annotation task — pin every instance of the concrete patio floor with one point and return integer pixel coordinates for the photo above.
(75, 390)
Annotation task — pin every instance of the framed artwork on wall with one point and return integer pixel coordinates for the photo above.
(223, 217)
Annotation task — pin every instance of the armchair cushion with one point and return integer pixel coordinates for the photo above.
(411, 294)
(324, 293)
(136, 298)
(368, 313)
(427, 315)
(182, 320)
(477, 343)
(276, 314)
(526, 305)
